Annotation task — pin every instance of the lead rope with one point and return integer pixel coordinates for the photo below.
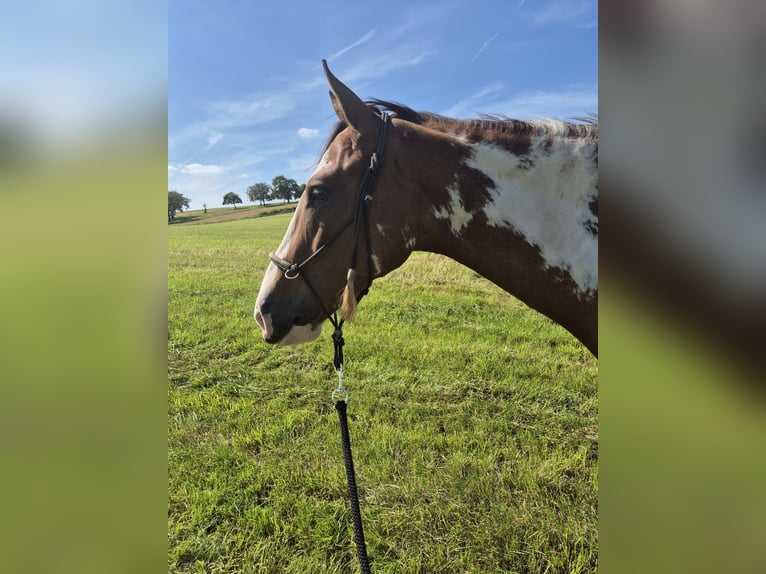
(340, 396)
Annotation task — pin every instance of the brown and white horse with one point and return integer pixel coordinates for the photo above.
(516, 201)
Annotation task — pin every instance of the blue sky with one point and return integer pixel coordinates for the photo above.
(247, 99)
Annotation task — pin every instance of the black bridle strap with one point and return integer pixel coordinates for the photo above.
(292, 270)
(364, 197)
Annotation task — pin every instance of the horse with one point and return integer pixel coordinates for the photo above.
(516, 201)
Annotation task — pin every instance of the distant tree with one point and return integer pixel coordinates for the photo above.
(232, 198)
(301, 189)
(176, 202)
(284, 188)
(204, 206)
(259, 192)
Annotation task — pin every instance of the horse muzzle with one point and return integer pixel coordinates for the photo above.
(285, 332)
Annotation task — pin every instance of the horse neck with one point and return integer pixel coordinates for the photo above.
(526, 222)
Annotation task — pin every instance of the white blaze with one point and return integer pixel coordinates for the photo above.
(298, 333)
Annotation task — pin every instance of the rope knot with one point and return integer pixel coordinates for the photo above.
(338, 342)
(337, 338)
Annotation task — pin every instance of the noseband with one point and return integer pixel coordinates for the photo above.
(363, 199)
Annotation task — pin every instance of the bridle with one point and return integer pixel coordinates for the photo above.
(363, 199)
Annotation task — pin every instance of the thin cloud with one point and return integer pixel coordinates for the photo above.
(366, 38)
(567, 103)
(484, 47)
(307, 133)
(559, 12)
(196, 169)
(473, 103)
(213, 139)
(249, 111)
(381, 66)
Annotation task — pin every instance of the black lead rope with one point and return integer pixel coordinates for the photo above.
(340, 405)
(363, 199)
(340, 395)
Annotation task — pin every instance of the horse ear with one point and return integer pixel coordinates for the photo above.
(348, 106)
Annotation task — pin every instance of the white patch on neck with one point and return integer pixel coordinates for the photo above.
(547, 203)
(455, 212)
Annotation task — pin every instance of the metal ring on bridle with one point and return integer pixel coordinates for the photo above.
(292, 272)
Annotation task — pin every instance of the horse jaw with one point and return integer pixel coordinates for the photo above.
(300, 334)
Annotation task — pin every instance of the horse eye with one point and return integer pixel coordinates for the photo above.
(318, 194)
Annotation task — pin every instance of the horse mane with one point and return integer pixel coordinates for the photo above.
(492, 124)
(487, 126)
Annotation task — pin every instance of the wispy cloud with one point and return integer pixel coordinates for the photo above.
(473, 103)
(195, 169)
(559, 12)
(214, 139)
(566, 103)
(307, 133)
(237, 116)
(484, 46)
(249, 111)
(366, 38)
(382, 65)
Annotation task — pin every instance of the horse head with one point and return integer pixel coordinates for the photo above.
(316, 271)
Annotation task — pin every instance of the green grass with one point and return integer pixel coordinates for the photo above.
(215, 214)
(473, 422)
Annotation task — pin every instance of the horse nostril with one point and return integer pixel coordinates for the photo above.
(264, 322)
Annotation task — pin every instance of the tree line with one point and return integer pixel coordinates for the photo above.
(281, 187)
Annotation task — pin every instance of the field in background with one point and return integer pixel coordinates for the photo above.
(473, 422)
(219, 214)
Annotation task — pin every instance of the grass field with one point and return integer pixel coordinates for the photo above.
(473, 422)
(220, 214)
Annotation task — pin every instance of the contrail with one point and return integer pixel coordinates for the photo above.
(366, 38)
(484, 47)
